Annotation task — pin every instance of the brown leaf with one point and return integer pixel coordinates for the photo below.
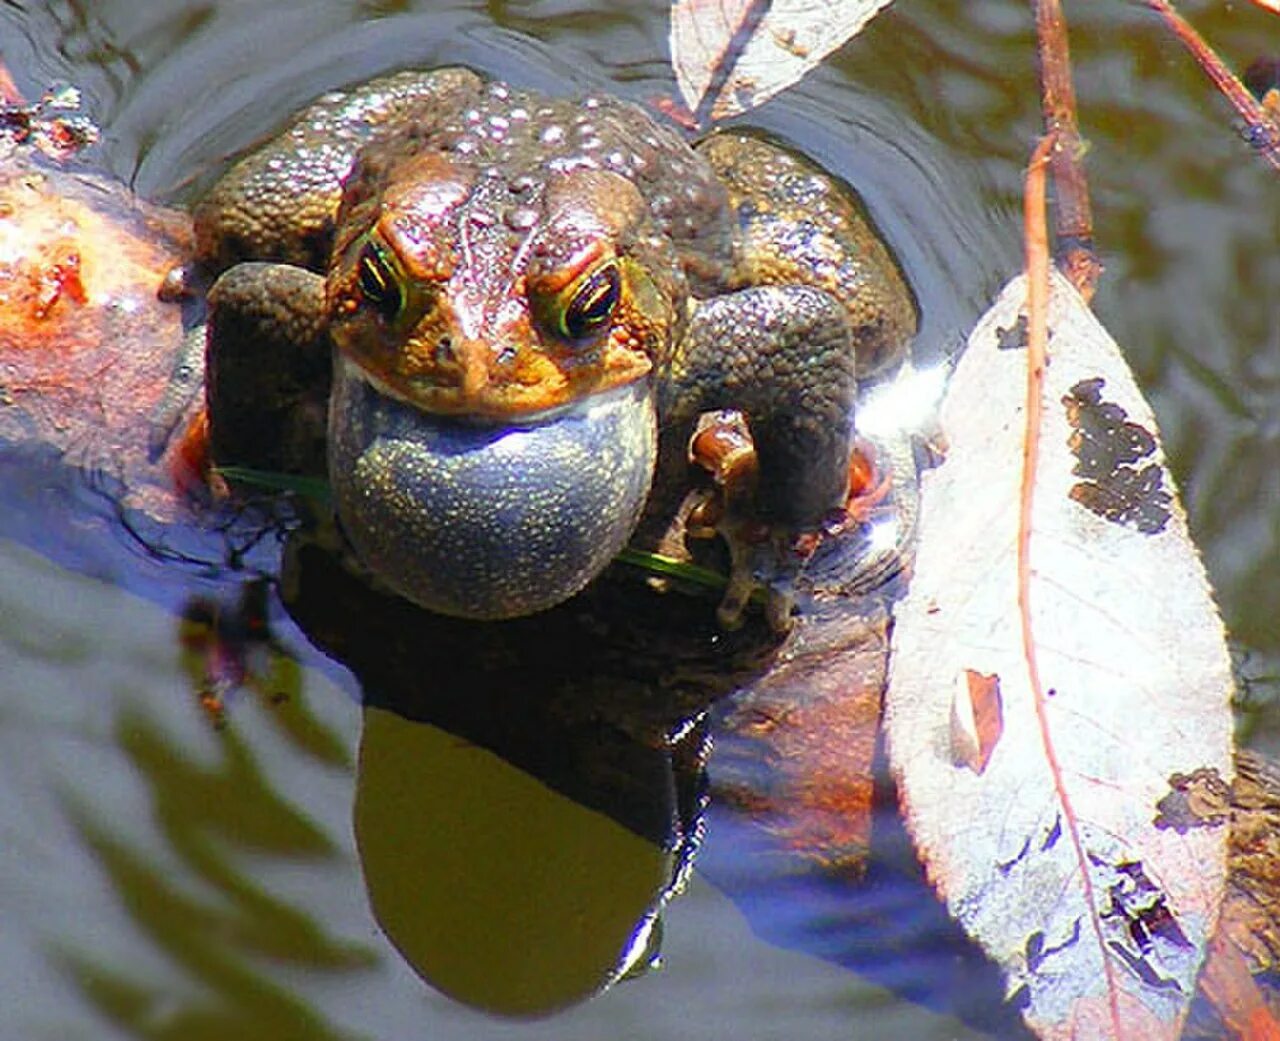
(977, 719)
(1227, 982)
(1251, 913)
(1247, 945)
(808, 728)
(736, 54)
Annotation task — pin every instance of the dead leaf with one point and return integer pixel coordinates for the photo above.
(976, 720)
(742, 52)
(1050, 856)
(1239, 976)
(796, 746)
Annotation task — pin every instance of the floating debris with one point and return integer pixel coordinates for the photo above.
(53, 124)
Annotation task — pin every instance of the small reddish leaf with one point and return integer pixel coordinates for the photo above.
(1051, 856)
(745, 51)
(977, 719)
(9, 92)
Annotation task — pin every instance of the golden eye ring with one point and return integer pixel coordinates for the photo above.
(592, 304)
(379, 281)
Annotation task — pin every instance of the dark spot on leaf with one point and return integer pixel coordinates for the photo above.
(1106, 446)
(1200, 799)
(1037, 950)
(1055, 833)
(1034, 952)
(1138, 914)
(1131, 497)
(1133, 869)
(1142, 968)
(1158, 921)
(1008, 865)
(1072, 939)
(1014, 338)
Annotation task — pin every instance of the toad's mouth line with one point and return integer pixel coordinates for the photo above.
(583, 407)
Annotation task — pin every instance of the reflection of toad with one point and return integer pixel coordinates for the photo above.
(528, 794)
(522, 782)
(532, 300)
(501, 891)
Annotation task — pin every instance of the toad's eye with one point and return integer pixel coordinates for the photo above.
(379, 281)
(592, 302)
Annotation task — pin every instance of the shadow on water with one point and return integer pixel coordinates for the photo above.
(211, 919)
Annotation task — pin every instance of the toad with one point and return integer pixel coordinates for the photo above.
(525, 304)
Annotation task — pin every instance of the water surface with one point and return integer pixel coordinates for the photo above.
(165, 879)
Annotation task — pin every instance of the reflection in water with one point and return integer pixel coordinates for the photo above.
(1189, 229)
(230, 648)
(501, 892)
(213, 918)
(529, 794)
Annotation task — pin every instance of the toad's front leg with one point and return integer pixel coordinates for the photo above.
(268, 368)
(783, 356)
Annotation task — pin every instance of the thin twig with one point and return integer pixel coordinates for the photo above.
(749, 19)
(1073, 216)
(1036, 236)
(1036, 246)
(1262, 133)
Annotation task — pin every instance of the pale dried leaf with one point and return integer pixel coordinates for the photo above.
(789, 39)
(1053, 855)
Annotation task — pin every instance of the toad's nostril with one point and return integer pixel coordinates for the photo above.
(444, 350)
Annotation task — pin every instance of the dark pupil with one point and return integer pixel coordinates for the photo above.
(593, 304)
(378, 282)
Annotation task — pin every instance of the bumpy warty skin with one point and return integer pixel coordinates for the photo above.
(521, 518)
(529, 301)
